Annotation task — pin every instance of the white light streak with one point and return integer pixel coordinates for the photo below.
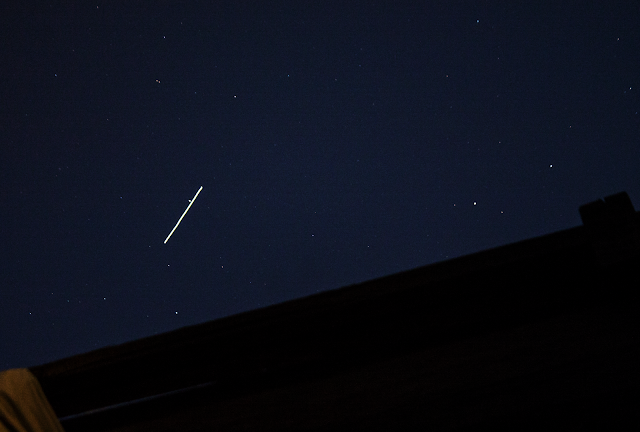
(185, 212)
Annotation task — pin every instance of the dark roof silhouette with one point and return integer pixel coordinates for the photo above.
(534, 334)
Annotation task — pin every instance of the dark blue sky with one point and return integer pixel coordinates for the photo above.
(336, 143)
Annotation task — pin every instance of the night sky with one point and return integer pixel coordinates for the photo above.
(335, 143)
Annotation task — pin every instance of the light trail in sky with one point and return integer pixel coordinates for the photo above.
(185, 212)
